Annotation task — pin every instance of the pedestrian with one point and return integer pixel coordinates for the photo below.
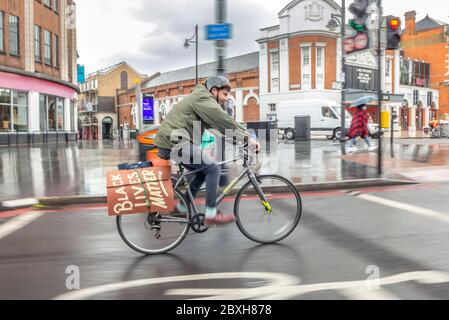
(359, 128)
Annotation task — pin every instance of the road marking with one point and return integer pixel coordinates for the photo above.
(428, 213)
(18, 223)
(275, 281)
(276, 286)
(20, 203)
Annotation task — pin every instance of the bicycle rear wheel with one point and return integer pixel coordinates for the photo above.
(255, 220)
(155, 233)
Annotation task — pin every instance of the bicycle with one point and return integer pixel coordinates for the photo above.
(164, 232)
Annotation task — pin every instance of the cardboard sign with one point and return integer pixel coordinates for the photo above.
(128, 190)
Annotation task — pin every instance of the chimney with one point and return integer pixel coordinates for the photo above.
(410, 22)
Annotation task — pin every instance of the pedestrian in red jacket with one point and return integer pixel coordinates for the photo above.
(359, 128)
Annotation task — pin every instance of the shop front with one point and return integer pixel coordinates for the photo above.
(34, 110)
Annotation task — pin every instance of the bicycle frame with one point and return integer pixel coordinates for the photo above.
(182, 180)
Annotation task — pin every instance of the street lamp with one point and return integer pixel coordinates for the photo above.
(338, 20)
(187, 45)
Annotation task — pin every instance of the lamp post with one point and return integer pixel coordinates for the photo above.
(333, 24)
(187, 45)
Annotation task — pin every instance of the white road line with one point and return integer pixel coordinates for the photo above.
(436, 215)
(275, 287)
(18, 223)
(20, 203)
(361, 293)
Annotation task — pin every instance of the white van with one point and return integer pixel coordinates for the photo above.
(324, 115)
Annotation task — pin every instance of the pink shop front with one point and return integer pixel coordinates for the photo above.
(36, 110)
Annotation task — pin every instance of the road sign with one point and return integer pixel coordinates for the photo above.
(216, 32)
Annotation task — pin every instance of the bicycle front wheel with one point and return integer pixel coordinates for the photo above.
(155, 233)
(273, 222)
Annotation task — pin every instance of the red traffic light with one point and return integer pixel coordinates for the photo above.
(394, 23)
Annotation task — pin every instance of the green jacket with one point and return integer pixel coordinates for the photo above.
(199, 106)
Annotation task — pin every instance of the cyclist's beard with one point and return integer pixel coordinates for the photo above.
(218, 101)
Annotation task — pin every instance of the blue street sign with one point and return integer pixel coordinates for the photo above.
(215, 32)
(81, 74)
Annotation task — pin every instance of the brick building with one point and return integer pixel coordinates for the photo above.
(428, 40)
(38, 67)
(167, 89)
(97, 101)
(300, 57)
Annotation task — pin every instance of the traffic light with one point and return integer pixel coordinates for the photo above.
(359, 23)
(359, 10)
(393, 33)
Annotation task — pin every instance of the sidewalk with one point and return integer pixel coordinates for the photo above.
(80, 169)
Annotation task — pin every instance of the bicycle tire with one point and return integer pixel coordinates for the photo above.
(169, 248)
(292, 227)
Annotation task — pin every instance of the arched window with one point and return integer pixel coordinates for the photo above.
(124, 80)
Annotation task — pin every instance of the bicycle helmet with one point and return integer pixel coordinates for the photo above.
(218, 82)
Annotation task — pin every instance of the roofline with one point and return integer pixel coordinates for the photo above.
(270, 28)
(295, 2)
(215, 61)
(114, 67)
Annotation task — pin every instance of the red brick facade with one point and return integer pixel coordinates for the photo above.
(430, 45)
(247, 82)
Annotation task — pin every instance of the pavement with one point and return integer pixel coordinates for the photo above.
(78, 170)
(377, 243)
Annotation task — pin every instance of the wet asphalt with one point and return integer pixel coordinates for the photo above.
(342, 247)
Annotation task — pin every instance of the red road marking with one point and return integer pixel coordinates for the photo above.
(81, 207)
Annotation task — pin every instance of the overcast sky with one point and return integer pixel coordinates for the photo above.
(149, 34)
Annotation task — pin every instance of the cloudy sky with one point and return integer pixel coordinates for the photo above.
(149, 34)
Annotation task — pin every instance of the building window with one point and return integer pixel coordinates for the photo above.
(51, 111)
(5, 110)
(56, 51)
(47, 47)
(43, 113)
(72, 116)
(124, 80)
(60, 113)
(320, 69)
(415, 73)
(20, 111)
(272, 107)
(274, 71)
(13, 111)
(56, 5)
(2, 37)
(14, 35)
(47, 3)
(37, 43)
(306, 69)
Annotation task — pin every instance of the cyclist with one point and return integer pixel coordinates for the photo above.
(176, 139)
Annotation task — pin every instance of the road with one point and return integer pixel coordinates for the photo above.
(372, 244)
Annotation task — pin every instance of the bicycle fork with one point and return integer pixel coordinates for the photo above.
(261, 194)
